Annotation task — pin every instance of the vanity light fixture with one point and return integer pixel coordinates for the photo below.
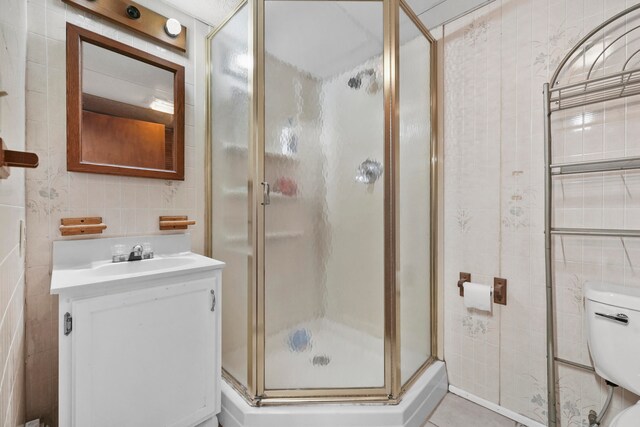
(161, 105)
(133, 12)
(137, 18)
(172, 27)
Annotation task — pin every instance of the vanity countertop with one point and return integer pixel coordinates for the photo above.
(84, 266)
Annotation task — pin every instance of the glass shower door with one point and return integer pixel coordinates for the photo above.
(324, 222)
(230, 189)
(415, 280)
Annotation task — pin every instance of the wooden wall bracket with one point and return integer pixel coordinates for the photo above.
(16, 159)
(180, 222)
(499, 291)
(464, 277)
(148, 23)
(81, 226)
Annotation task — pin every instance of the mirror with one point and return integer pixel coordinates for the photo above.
(125, 109)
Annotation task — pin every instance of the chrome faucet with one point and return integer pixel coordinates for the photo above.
(136, 253)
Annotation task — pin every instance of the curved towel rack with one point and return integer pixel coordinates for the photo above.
(583, 42)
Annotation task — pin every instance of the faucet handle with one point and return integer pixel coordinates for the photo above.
(147, 251)
(118, 253)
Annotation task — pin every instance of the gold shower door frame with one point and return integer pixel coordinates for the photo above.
(254, 391)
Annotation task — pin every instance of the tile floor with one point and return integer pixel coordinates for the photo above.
(455, 411)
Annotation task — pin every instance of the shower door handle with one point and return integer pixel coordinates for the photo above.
(266, 193)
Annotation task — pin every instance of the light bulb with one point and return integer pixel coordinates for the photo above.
(172, 27)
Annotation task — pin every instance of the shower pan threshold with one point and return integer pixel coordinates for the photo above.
(413, 411)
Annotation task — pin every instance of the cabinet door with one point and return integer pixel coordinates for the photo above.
(145, 358)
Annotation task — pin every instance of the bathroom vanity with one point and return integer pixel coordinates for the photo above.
(139, 341)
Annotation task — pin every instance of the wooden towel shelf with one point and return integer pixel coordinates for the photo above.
(175, 222)
(80, 226)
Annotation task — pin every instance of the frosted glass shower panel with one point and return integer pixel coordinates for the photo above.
(324, 229)
(415, 193)
(230, 60)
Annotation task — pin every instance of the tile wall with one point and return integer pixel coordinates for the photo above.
(496, 60)
(13, 48)
(129, 206)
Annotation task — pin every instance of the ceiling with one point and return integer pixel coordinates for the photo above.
(325, 38)
(432, 12)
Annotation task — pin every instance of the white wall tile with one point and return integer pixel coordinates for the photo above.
(128, 205)
(13, 57)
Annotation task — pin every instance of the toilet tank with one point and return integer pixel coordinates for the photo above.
(613, 332)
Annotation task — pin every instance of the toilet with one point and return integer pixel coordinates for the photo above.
(613, 327)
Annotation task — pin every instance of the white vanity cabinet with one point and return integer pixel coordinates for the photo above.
(142, 349)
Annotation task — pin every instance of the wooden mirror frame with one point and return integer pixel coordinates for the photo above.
(75, 37)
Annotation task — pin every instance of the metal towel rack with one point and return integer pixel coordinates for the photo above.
(612, 86)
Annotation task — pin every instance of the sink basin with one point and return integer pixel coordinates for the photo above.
(136, 267)
(84, 266)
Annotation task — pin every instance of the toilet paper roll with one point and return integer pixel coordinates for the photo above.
(477, 295)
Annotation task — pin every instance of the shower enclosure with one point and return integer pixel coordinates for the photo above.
(321, 171)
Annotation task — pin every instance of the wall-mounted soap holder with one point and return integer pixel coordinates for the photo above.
(81, 226)
(15, 159)
(179, 222)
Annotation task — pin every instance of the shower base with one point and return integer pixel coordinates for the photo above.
(416, 405)
(337, 356)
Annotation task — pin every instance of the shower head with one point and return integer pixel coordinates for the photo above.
(355, 82)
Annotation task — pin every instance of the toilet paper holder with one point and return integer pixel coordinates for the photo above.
(499, 291)
(499, 288)
(464, 277)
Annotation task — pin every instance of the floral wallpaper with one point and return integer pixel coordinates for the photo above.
(496, 60)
